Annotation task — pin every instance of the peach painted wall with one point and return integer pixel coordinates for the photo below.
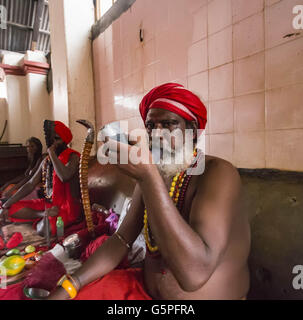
(26, 100)
(232, 53)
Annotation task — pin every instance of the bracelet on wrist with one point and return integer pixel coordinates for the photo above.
(67, 283)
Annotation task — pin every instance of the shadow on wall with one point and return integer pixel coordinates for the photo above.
(273, 200)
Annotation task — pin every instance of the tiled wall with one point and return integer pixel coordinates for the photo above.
(233, 53)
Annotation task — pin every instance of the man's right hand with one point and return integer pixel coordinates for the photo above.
(3, 215)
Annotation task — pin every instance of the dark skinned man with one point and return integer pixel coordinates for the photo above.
(197, 250)
(59, 174)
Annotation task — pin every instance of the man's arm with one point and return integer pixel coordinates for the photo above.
(26, 189)
(13, 181)
(110, 254)
(27, 176)
(64, 172)
(193, 250)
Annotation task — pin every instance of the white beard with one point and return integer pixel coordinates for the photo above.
(174, 161)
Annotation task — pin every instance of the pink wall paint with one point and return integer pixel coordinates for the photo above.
(232, 53)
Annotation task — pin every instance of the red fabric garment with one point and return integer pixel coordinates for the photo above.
(175, 98)
(45, 274)
(119, 284)
(69, 207)
(63, 131)
(13, 292)
(123, 283)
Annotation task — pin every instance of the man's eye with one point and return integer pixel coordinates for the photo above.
(168, 124)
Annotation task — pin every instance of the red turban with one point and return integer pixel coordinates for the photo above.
(63, 131)
(175, 98)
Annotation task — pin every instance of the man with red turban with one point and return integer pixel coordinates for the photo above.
(175, 98)
(197, 238)
(59, 174)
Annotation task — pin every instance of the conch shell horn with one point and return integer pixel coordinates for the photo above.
(83, 172)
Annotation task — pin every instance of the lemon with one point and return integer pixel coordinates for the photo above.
(30, 249)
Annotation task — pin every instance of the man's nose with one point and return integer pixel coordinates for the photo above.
(158, 132)
(158, 126)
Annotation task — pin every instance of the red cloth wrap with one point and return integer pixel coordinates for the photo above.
(69, 207)
(45, 274)
(123, 283)
(63, 131)
(15, 240)
(119, 284)
(178, 94)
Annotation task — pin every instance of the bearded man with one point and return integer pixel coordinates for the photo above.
(59, 174)
(197, 238)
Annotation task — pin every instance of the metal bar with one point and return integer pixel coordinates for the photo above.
(110, 16)
(18, 25)
(34, 13)
(29, 12)
(44, 32)
(21, 9)
(38, 18)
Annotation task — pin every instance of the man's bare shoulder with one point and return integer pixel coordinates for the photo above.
(218, 168)
(212, 161)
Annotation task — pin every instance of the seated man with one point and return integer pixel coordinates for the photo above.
(59, 174)
(34, 155)
(197, 238)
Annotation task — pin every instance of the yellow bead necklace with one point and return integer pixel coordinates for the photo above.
(174, 193)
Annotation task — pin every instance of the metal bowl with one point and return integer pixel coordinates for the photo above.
(71, 241)
(36, 293)
(72, 246)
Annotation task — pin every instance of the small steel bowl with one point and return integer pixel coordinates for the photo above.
(72, 246)
(36, 293)
(71, 241)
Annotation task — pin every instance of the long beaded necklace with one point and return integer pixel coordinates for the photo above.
(47, 178)
(177, 192)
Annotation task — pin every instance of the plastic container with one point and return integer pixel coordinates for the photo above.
(60, 228)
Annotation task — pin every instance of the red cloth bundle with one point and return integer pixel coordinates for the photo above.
(15, 240)
(46, 273)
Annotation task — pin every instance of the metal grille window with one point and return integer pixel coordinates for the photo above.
(27, 26)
